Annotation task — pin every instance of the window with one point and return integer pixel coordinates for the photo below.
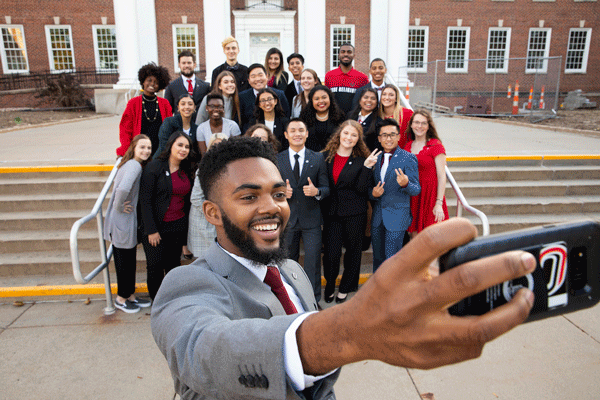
(105, 48)
(275, 5)
(340, 34)
(418, 38)
(457, 49)
(60, 48)
(498, 50)
(538, 49)
(14, 51)
(578, 50)
(185, 37)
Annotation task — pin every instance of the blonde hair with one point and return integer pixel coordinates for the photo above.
(397, 113)
(215, 136)
(228, 40)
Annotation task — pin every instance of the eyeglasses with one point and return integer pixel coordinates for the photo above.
(420, 123)
(270, 99)
(388, 135)
(215, 107)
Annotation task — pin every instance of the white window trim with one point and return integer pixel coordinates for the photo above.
(48, 45)
(506, 54)
(97, 51)
(3, 52)
(425, 50)
(544, 68)
(331, 50)
(586, 52)
(467, 43)
(175, 54)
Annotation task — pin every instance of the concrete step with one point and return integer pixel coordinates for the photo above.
(519, 173)
(55, 174)
(51, 185)
(26, 241)
(544, 188)
(49, 202)
(505, 223)
(43, 220)
(533, 205)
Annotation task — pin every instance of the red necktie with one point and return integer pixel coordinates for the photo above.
(273, 279)
(190, 87)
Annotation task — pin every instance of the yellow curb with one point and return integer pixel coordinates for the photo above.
(57, 168)
(570, 157)
(62, 290)
(97, 288)
(495, 158)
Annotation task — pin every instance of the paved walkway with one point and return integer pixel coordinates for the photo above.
(70, 350)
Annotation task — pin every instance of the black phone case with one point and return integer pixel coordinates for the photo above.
(566, 279)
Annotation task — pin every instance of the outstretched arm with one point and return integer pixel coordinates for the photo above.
(400, 315)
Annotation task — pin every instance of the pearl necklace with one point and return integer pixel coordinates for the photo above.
(144, 101)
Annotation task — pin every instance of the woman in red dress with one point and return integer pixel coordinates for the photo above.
(429, 206)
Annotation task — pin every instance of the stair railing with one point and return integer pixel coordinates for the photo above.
(461, 201)
(106, 255)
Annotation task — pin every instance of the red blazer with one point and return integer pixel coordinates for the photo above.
(131, 121)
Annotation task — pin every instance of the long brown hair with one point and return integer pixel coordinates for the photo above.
(302, 99)
(397, 113)
(235, 96)
(270, 136)
(130, 153)
(431, 131)
(279, 71)
(360, 149)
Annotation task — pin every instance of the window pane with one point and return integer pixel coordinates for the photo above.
(14, 49)
(107, 48)
(416, 47)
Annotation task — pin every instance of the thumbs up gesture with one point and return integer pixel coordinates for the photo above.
(288, 189)
(401, 178)
(310, 189)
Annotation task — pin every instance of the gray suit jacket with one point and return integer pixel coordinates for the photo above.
(218, 325)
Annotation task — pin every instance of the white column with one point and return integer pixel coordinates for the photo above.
(378, 43)
(312, 34)
(135, 25)
(397, 54)
(217, 26)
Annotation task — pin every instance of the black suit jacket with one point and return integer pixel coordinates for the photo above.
(349, 196)
(290, 92)
(240, 72)
(156, 189)
(247, 100)
(176, 88)
(303, 209)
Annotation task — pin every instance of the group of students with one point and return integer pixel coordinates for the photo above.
(370, 160)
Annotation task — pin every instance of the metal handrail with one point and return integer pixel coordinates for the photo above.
(461, 201)
(106, 255)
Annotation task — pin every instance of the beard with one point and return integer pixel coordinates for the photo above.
(249, 250)
(187, 73)
(346, 63)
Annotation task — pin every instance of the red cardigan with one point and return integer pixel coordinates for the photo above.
(131, 121)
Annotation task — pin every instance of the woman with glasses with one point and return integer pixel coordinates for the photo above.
(268, 111)
(215, 106)
(429, 206)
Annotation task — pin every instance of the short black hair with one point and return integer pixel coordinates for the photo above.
(256, 65)
(295, 55)
(186, 53)
(377, 59)
(160, 73)
(346, 44)
(215, 161)
(294, 120)
(214, 95)
(387, 122)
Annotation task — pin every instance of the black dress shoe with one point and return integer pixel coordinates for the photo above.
(329, 299)
(340, 300)
(366, 243)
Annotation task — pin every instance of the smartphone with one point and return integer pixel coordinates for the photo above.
(566, 279)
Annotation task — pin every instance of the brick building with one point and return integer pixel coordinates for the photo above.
(124, 34)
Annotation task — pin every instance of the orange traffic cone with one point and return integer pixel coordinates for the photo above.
(530, 99)
(542, 104)
(508, 92)
(407, 92)
(515, 109)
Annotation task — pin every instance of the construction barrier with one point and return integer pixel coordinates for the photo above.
(515, 107)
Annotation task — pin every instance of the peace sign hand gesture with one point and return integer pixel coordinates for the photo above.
(401, 178)
(378, 190)
(372, 159)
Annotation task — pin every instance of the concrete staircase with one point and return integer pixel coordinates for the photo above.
(37, 211)
(524, 193)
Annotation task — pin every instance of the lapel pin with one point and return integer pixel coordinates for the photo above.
(350, 162)
(294, 275)
(167, 173)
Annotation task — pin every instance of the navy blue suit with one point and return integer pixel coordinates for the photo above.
(305, 212)
(391, 211)
(247, 100)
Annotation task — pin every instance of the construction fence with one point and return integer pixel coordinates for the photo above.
(519, 87)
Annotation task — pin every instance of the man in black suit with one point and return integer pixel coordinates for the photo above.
(377, 70)
(257, 77)
(186, 83)
(295, 65)
(305, 174)
(231, 64)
